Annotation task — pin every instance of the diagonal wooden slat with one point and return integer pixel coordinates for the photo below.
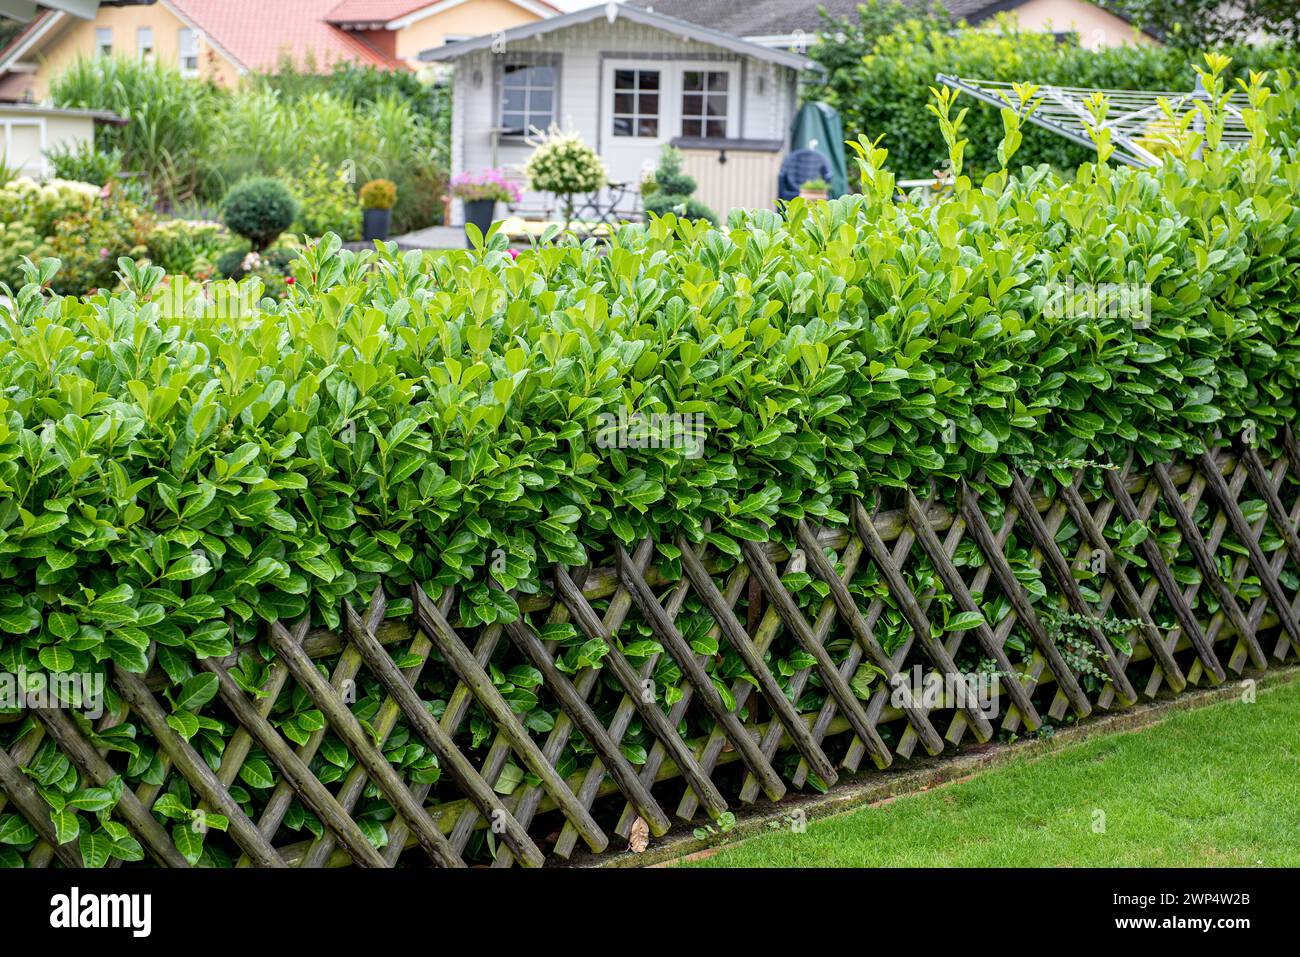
(574, 705)
(349, 793)
(667, 633)
(848, 612)
(278, 804)
(1065, 581)
(650, 712)
(195, 770)
(357, 740)
(449, 756)
(753, 659)
(1276, 510)
(314, 794)
(1016, 595)
(765, 632)
(762, 568)
(854, 550)
(151, 835)
(34, 809)
(469, 670)
(956, 587)
(1164, 577)
(1241, 530)
(916, 617)
(1116, 574)
(1204, 559)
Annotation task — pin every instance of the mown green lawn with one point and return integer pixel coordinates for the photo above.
(1216, 786)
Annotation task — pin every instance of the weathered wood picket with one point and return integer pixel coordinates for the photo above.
(1224, 546)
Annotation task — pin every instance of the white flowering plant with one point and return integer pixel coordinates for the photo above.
(564, 165)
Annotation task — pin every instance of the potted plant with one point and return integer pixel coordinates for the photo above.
(815, 189)
(480, 192)
(377, 199)
(566, 166)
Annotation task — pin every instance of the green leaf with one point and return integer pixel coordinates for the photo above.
(963, 620)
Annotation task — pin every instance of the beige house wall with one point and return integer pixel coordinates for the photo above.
(1096, 27)
(471, 19)
(76, 38)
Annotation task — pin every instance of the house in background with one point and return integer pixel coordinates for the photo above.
(221, 40)
(403, 29)
(794, 23)
(629, 81)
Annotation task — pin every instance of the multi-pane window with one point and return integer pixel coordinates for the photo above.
(189, 52)
(144, 43)
(527, 97)
(104, 41)
(705, 102)
(636, 103)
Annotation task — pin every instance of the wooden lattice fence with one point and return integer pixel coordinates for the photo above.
(761, 744)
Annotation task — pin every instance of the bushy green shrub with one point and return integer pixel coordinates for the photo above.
(17, 240)
(84, 163)
(326, 202)
(378, 194)
(41, 205)
(194, 141)
(186, 246)
(90, 244)
(879, 71)
(259, 209)
(172, 478)
(672, 189)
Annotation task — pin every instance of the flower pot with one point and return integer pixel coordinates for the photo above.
(479, 212)
(375, 223)
(812, 195)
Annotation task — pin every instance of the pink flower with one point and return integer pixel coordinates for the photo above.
(514, 253)
(290, 280)
(103, 252)
(486, 184)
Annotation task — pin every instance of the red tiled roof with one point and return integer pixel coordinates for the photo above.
(381, 11)
(374, 11)
(257, 33)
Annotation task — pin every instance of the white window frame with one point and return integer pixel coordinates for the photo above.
(102, 34)
(144, 50)
(731, 120)
(672, 82)
(552, 60)
(182, 53)
(660, 92)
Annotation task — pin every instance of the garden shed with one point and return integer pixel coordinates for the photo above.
(27, 132)
(630, 81)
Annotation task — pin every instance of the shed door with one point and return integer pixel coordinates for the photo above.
(648, 103)
(638, 117)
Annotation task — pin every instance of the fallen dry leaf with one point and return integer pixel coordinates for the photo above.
(640, 836)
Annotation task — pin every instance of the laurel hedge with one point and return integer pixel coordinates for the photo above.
(174, 472)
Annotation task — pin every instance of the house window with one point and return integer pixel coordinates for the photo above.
(144, 42)
(636, 103)
(705, 102)
(189, 52)
(104, 41)
(527, 97)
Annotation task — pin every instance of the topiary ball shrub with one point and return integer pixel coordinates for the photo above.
(378, 194)
(259, 209)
